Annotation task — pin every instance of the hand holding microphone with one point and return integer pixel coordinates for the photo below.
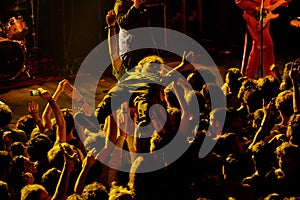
(137, 3)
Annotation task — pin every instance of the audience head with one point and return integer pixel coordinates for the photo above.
(4, 191)
(233, 168)
(151, 63)
(247, 85)
(38, 147)
(288, 156)
(293, 129)
(18, 148)
(50, 179)
(95, 191)
(5, 166)
(27, 124)
(210, 91)
(23, 164)
(34, 192)
(75, 197)
(284, 103)
(120, 193)
(5, 115)
(196, 78)
(269, 87)
(253, 100)
(56, 157)
(232, 79)
(263, 156)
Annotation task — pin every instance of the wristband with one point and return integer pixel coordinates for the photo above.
(109, 27)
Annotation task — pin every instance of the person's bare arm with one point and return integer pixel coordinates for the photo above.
(46, 116)
(63, 183)
(294, 74)
(33, 109)
(111, 20)
(88, 161)
(60, 121)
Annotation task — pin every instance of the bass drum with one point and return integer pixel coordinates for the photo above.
(12, 59)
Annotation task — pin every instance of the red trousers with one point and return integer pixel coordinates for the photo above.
(254, 60)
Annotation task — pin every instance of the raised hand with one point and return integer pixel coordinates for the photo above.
(33, 108)
(45, 94)
(90, 158)
(295, 72)
(71, 157)
(137, 3)
(111, 18)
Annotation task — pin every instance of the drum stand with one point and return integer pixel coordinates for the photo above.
(23, 70)
(35, 46)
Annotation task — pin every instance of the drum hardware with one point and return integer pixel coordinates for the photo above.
(16, 28)
(18, 8)
(25, 70)
(12, 59)
(34, 35)
(19, 5)
(295, 22)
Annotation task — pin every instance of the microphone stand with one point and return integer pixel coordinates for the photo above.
(261, 20)
(35, 47)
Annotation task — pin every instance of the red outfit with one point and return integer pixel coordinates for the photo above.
(250, 8)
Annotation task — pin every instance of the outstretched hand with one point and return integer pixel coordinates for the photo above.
(295, 72)
(33, 108)
(90, 158)
(70, 160)
(45, 94)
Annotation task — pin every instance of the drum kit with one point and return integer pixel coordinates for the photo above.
(13, 50)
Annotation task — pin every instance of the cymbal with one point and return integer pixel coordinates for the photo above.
(17, 8)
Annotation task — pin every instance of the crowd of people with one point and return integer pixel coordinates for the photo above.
(80, 152)
(256, 154)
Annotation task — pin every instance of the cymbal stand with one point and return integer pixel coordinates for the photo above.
(35, 45)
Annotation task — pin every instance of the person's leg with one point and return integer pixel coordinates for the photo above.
(269, 58)
(253, 62)
(104, 109)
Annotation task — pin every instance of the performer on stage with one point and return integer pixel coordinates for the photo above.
(251, 10)
(132, 14)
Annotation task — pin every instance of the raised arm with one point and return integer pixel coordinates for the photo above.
(127, 14)
(73, 93)
(294, 74)
(63, 183)
(88, 161)
(46, 116)
(185, 113)
(263, 129)
(111, 20)
(33, 109)
(60, 121)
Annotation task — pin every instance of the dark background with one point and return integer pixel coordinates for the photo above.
(67, 30)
